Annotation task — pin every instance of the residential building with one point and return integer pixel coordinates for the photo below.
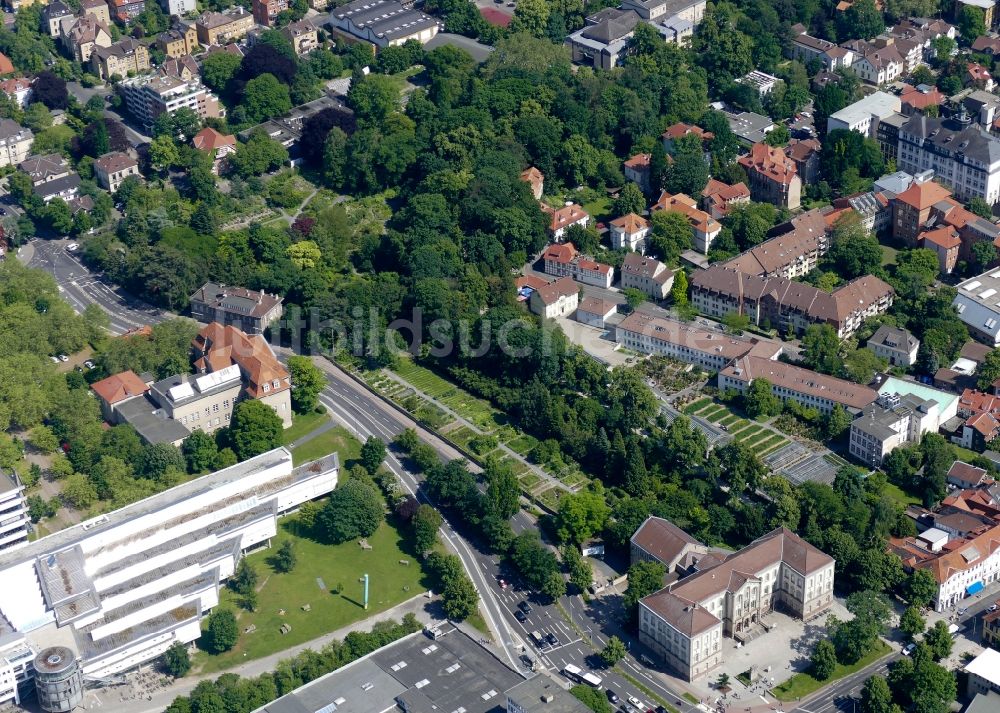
(790, 307)
(127, 10)
(124, 58)
(961, 154)
(945, 242)
(14, 522)
(302, 35)
(806, 48)
(636, 169)
(179, 40)
(887, 135)
(15, 142)
(988, 44)
(680, 130)
(965, 476)
(794, 250)
(773, 176)
(894, 344)
(976, 75)
(981, 105)
(873, 208)
(731, 595)
(649, 276)
(98, 9)
(863, 115)
(81, 35)
(961, 566)
(911, 209)
(534, 178)
(976, 301)
(265, 12)
(602, 41)
(113, 168)
(991, 638)
(179, 8)
(979, 417)
(249, 310)
(558, 298)
(917, 100)
(18, 89)
(562, 218)
(52, 177)
(986, 6)
(718, 197)
(116, 389)
(563, 260)
(52, 16)
(124, 586)
(750, 128)
(805, 154)
(594, 311)
(879, 66)
(218, 28)
(895, 419)
(149, 96)
(217, 144)
(382, 22)
(804, 386)
(184, 68)
(683, 341)
(629, 232)
(704, 228)
(661, 12)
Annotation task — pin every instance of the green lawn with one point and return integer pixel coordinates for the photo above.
(900, 496)
(695, 405)
(473, 409)
(600, 209)
(802, 684)
(751, 430)
(888, 255)
(303, 424)
(336, 439)
(339, 566)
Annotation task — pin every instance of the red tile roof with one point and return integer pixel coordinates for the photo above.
(631, 223)
(119, 387)
(218, 346)
(923, 195)
(770, 161)
(208, 139)
(944, 237)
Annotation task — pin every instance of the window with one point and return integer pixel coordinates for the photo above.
(267, 387)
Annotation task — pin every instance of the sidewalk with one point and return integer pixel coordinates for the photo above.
(109, 699)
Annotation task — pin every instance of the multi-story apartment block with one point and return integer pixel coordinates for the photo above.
(179, 40)
(149, 96)
(730, 595)
(14, 521)
(81, 35)
(15, 142)
(52, 16)
(704, 228)
(804, 386)
(894, 344)
(773, 176)
(127, 10)
(121, 588)
(218, 28)
(629, 232)
(113, 168)
(98, 9)
(649, 276)
(795, 251)
(563, 260)
(718, 197)
(265, 12)
(895, 419)
(805, 154)
(555, 299)
(962, 155)
(125, 58)
(684, 342)
(786, 305)
(249, 310)
(302, 35)
(179, 8)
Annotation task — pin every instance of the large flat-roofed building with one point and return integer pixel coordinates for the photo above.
(13, 512)
(382, 22)
(789, 382)
(891, 421)
(730, 595)
(415, 674)
(149, 96)
(977, 301)
(710, 350)
(119, 589)
(250, 310)
(864, 115)
(541, 694)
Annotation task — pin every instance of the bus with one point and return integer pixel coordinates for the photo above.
(572, 672)
(591, 680)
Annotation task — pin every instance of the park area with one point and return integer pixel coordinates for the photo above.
(803, 684)
(759, 438)
(321, 594)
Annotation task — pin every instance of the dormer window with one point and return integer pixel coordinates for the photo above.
(267, 387)
(276, 384)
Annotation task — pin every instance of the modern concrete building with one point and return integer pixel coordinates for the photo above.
(730, 595)
(58, 680)
(895, 419)
(977, 301)
(149, 96)
(382, 22)
(14, 521)
(864, 115)
(602, 41)
(249, 310)
(894, 344)
(120, 588)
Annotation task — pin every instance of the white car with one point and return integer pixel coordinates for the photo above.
(73, 247)
(55, 360)
(909, 649)
(63, 357)
(636, 703)
(89, 364)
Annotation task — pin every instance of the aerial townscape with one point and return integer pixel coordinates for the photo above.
(500, 356)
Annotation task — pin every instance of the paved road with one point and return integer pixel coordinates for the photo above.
(83, 95)
(843, 695)
(80, 287)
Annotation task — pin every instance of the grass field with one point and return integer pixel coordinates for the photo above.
(339, 566)
(900, 496)
(888, 255)
(336, 439)
(696, 405)
(475, 410)
(303, 424)
(802, 684)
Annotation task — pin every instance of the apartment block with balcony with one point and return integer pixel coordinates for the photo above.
(14, 520)
(218, 28)
(124, 58)
(15, 142)
(149, 96)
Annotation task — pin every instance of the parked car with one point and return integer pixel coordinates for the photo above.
(63, 357)
(551, 638)
(992, 607)
(501, 582)
(613, 697)
(961, 611)
(54, 359)
(524, 606)
(520, 616)
(635, 702)
(909, 649)
(89, 364)
(73, 247)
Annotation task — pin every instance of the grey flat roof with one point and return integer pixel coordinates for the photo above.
(430, 676)
(150, 421)
(529, 694)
